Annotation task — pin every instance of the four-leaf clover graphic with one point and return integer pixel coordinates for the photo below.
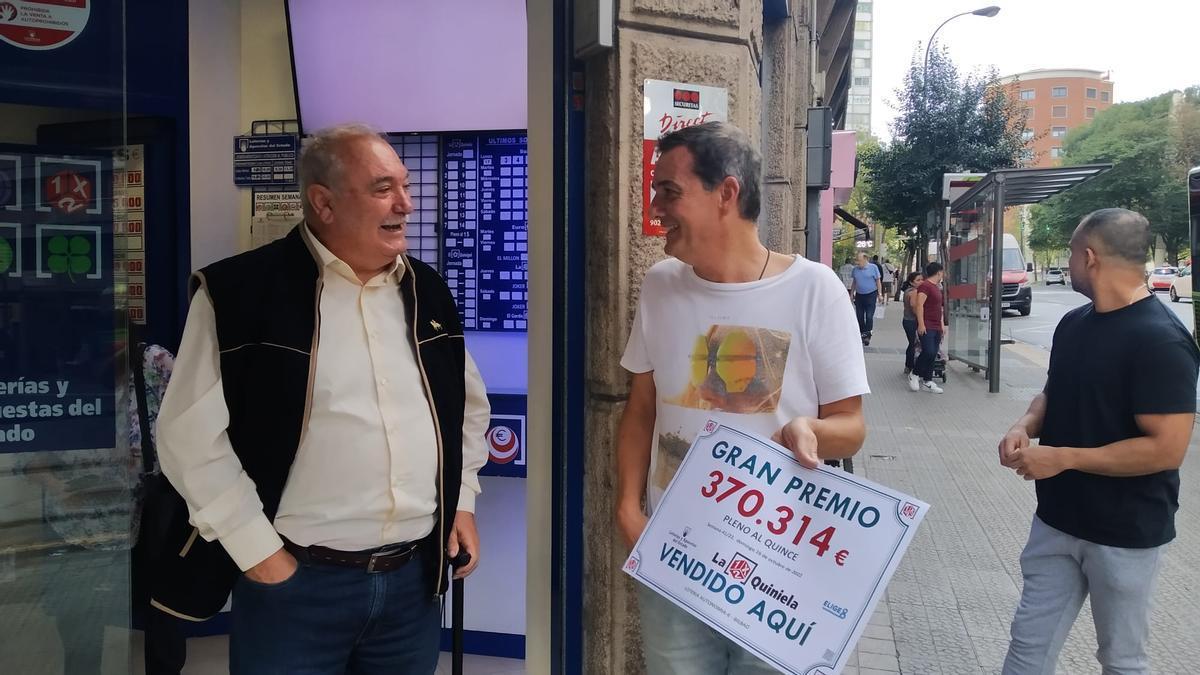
(6, 255)
(71, 256)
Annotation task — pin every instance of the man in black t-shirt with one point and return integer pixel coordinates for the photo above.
(1113, 422)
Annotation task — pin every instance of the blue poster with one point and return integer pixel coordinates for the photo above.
(57, 313)
(485, 238)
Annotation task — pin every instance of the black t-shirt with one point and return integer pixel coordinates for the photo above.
(1104, 369)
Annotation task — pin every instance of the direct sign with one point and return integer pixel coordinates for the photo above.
(667, 107)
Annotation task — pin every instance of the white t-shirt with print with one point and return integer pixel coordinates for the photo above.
(752, 355)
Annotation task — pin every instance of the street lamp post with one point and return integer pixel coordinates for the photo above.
(989, 12)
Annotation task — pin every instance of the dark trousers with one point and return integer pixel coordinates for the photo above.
(930, 342)
(910, 354)
(864, 310)
(165, 645)
(326, 620)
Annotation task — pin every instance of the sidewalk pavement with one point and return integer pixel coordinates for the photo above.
(952, 599)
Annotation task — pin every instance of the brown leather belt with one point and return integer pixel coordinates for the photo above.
(382, 559)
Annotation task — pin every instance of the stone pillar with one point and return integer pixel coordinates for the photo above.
(709, 42)
(779, 141)
(802, 98)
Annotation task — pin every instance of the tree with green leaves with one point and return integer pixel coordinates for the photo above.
(948, 122)
(1151, 144)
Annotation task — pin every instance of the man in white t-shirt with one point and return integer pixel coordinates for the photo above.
(726, 329)
(846, 273)
(889, 279)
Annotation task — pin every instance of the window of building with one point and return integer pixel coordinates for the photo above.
(1104, 96)
(862, 62)
(860, 100)
(865, 7)
(1089, 113)
(1058, 111)
(1059, 92)
(862, 26)
(1090, 92)
(1029, 113)
(862, 44)
(1056, 153)
(1027, 94)
(1026, 156)
(862, 81)
(1058, 132)
(1027, 135)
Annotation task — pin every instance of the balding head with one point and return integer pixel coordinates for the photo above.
(1120, 234)
(1109, 247)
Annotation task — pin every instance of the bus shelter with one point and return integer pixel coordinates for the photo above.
(974, 256)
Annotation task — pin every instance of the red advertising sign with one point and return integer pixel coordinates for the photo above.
(667, 107)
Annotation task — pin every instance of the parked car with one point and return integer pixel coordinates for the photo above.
(1161, 277)
(1181, 285)
(1054, 275)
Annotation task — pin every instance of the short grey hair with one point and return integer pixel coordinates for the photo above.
(1120, 233)
(721, 150)
(320, 155)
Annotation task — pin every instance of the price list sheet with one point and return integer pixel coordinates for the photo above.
(485, 247)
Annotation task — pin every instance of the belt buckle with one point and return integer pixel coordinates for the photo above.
(389, 552)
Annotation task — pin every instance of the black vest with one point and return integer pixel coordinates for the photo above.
(267, 307)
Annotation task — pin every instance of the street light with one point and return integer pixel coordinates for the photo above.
(989, 12)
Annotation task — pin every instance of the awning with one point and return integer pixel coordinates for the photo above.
(1030, 186)
(849, 218)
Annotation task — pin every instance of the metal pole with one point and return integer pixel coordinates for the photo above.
(997, 285)
(812, 227)
(456, 629)
(925, 70)
(1194, 233)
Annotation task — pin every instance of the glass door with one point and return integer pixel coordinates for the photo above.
(68, 469)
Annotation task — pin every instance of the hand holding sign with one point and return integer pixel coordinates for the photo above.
(764, 550)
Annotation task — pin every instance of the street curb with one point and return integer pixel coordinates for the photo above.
(1035, 355)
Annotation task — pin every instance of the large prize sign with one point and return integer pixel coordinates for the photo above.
(788, 562)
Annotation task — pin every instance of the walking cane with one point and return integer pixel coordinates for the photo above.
(456, 616)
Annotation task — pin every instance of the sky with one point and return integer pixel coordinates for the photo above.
(1149, 46)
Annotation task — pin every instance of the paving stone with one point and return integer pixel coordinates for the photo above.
(868, 645)
(952, 598)
(887, 662)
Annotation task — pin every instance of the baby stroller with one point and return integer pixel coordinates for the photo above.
(939, 368)
(939, 364)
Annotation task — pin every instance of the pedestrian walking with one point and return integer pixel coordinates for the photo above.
(889, 273)
(1113, 424)
(864, 290)
(931, 326)
(882, 299)
(909, 290)
(846, 272)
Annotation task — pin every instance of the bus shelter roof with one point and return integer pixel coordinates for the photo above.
(1029, 186)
